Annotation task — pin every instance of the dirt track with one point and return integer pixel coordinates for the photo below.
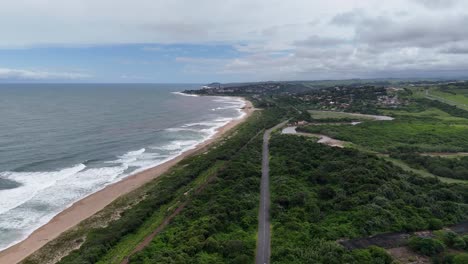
(398, 239)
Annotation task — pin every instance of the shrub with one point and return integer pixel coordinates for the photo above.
(426, 246)
(435, 224)
(459, 243)
(460, 259)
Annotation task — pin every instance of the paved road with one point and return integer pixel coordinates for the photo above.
(263, 239)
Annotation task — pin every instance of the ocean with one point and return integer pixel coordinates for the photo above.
(62, 142)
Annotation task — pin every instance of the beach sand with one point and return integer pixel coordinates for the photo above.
(95, 202)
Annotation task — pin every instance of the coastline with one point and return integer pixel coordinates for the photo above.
(95, 202)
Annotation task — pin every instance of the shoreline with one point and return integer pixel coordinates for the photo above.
(95, 202)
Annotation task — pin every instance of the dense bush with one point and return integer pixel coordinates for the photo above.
(452, 240)
(426, 246)
(219, 224)
(321, 194)
(460, 258)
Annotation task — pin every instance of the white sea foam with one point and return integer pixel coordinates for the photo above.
(42, 195)
(184, 94)
(177, 145)
(31, 184)
(129, 156)
(40, 207)
(178, 129)
(205, 124)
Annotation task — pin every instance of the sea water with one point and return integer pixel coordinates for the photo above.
(62, 142)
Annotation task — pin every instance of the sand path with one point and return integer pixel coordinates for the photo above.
(322, 139)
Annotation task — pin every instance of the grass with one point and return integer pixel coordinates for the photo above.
(459, 99)
(428, 113)
(428, 129)
(336, 115)
(126, 246)
(387, 135)
(422, 173)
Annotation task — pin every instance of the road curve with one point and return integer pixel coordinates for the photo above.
(263, 237)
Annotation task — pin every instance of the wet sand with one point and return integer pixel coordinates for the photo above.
(95, 202)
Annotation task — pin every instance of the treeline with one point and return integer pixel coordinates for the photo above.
(321, 194)
(101, 240)
(456, 168)
(452, 110)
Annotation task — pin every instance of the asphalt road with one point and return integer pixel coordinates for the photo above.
(263, 239)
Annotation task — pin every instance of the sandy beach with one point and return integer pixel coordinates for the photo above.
(95, 202)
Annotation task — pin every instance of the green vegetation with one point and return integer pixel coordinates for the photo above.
(386, 136)
(445, 248)
(412, 128)
(321, 194)
(129, 242)
(331, 116)
(452, 110)
(456, 168)
(421, 172)
(336, 115)
(454, 94)
(426, 246)
(219, 225)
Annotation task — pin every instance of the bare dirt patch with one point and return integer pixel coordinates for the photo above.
(405, 255)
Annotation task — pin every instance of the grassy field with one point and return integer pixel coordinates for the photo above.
(461, 96)
(457, 97)
(426, 114)
(388, 135)
(422, 173)
(315, 114)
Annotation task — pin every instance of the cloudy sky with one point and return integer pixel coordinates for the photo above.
(231, 40)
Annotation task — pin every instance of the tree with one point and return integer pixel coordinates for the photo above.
(327, 193)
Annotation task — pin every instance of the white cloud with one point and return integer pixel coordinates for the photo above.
(20, 74)
(437, 3)
(39, 22)
(277, 39)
